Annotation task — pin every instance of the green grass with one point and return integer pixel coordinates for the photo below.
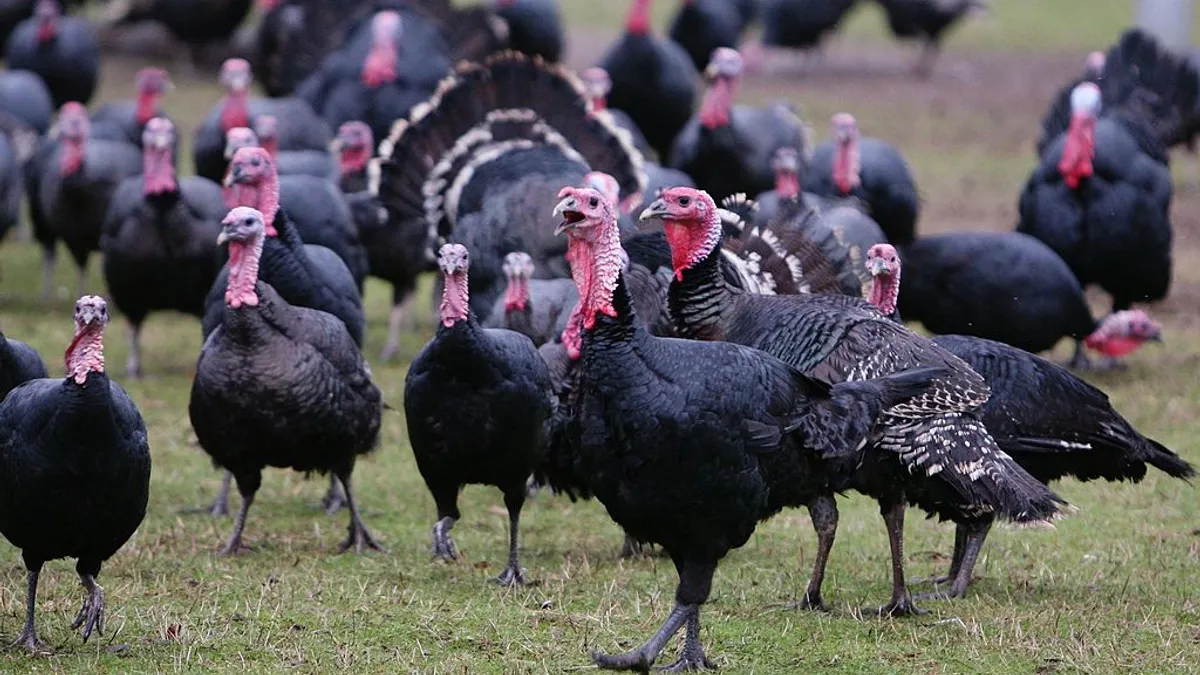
(1111, 589)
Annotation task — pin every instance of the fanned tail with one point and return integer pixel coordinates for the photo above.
(510, 101)
(793, 254)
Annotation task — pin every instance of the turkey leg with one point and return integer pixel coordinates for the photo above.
(631, 547)
(247, 486)
(901, 603)
(514, 499)
(359, 538)
(29, 638)
(973, 534)
(220, 505)
(134, 364)
(49, 259)
(960, 540)
(91, 615)
(334, 499)
(824, 513)
(396, 322)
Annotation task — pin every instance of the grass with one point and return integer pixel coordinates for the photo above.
(1112, 589)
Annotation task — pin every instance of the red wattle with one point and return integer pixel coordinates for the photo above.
(1115, 347)
(787, 185)
(147, 107)
(638, 22)
(380, 66)
(1078, 151)
(718, 101)
(235, 111)
(72, 157)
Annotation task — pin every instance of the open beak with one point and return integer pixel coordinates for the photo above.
(568, 210)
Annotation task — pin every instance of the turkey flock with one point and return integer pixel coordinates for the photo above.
(647, 292)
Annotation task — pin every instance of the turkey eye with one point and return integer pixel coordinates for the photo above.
(684, 201)
(593, 203)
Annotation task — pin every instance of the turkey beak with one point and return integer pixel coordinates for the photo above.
(876, 266)
(222, 237)
(569, 204)
(657, 209)
(233, 175)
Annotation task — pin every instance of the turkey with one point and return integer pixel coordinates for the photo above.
(299, 127)
(321, 215)
(1103, 205)
(317, 163)
(1058, 117)
(1008, 287)
(70, 184)
(535, 27)
(280, 385)
(25, 97)
(870, 170)
(701, 26)
(482, 163)
(933, 450)
(598, 84)
(126, 120)
(304, 275)
(1050, 422)
(535, 308)
(478, 403)
(159, 239)
(61, 50)
(927, 21)
(653, 80)
(729, 148)
(199, 24)
(1145, 88)
(795, 24)
(74, 470)
(689, 444)
(18, 363)
(387, 67)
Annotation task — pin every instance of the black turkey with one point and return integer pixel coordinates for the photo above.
(74, 470)
(280, 385)
(18, 363)
(61, 50)
(478, 403)
(159, 239)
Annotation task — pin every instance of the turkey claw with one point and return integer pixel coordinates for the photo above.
(91, 615)
(511, 576)
(638, 660)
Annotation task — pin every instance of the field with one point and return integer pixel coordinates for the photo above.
(1111, 589)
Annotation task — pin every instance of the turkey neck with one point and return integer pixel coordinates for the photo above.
(787, 184)
(271, 145)
(885, 290)
(456, 300)
(846, 165)
(638, 22)
(353, 161)
(47, 29)
(158, 173)
(699, 298)
(263, 195)
(1079, 150)
(73, 152)
(235, 110)
(718, 102)
(85, 354)
(243, 264)
(380, 66)
(147, 106)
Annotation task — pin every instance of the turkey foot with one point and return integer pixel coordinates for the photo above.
(811, 601)
(443, 545)
(643, 657)
(91, 615)
(693, 658)
(334, 499)
(632, 548)
(511, 576)
(359, 537)
(30, 642)
(902, 606)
